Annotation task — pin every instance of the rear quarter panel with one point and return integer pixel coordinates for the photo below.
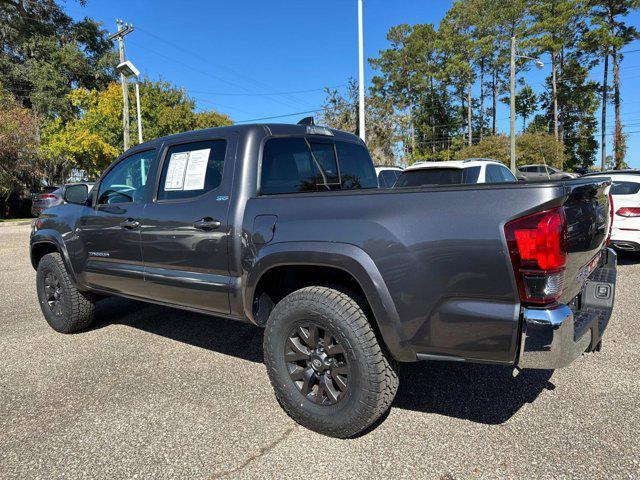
(440, 252)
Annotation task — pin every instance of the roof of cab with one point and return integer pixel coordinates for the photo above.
(261, 129)
(470, 162)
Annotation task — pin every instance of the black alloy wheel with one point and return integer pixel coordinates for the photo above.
(317, 364)
(53, 293)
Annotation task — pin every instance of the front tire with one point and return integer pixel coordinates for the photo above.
(65, 308)
(326, 366)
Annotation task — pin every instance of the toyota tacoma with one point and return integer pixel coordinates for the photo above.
(284, 226)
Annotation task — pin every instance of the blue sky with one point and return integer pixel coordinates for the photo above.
(227, 55)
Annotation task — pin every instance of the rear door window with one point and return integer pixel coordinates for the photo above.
(192, 169)
(625, 188)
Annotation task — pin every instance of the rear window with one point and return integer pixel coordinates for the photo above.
(295, 164)
(625, 188)
(438, 176)
(387, 178)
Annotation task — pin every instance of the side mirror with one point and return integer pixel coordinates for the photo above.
(77, 194)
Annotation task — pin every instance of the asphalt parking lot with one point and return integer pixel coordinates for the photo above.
(156, 392)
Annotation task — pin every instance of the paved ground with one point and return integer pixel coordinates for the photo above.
(156, 392)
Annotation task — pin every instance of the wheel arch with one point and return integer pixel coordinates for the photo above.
(45, 242)
(350, 263)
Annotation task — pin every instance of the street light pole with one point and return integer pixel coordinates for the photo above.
(512, 106)
(138, 108)
(361, 73)
(123, 30)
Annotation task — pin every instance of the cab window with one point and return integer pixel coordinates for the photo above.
(296, 164)
(192, 169)
(125, 183)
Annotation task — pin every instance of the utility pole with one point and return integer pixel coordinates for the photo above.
(123, 30)
(361, 72)
(512, 105)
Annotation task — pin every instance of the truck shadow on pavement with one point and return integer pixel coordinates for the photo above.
(486, 394)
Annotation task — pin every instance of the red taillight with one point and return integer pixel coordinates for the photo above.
(628, 212)
(538, 249)
(44, 196)
(608, 242)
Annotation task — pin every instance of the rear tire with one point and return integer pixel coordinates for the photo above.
(65, 308)
(352, 382)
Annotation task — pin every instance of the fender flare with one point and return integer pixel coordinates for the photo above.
(349, 258)
(54, 238)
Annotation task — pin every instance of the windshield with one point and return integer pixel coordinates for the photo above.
(437, 176)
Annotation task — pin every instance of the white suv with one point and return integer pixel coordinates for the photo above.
(472, 170)
(625, 191)
(387, 175)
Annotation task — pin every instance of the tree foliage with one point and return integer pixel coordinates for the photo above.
(533, 148)
(94, 137)
(20, 167)
(443, 83)
(342, 113)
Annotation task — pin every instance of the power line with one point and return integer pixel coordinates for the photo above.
(278, 116)
(266, 94)
(209, 62)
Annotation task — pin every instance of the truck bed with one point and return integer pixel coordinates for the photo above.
(441, 252)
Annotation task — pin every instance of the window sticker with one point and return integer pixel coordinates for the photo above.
(196, 169)
(176, 170)
(187, 170)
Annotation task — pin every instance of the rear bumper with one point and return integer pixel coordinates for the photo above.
(554, 337)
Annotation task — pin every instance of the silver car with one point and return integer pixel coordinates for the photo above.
(50, 197)
(541, 173)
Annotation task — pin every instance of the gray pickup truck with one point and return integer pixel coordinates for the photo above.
(284, 226)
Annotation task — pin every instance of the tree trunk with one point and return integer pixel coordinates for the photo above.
(618, 151)
(603, 126)
(554, 94)
(470, 126)
(481, 98)
(432, 116)
(494, 87)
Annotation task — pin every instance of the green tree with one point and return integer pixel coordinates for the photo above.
(93, 138)
(457, 46)
(341, 112)
(579, 98)
(20, 168)
(526, 104)
(558, 26)
(45, 54)
(608, 36)
(532, 148)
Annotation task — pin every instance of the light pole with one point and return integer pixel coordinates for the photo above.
(128, 70)
(361, 72)
(512, 100)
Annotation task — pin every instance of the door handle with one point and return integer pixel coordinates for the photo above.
(130, 224)
(206, 223)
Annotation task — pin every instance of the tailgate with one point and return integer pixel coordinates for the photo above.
(588, 219)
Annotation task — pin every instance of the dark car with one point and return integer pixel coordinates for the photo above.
(50, 197)
(284, 226)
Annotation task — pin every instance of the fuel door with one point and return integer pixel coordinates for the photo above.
(264, 227)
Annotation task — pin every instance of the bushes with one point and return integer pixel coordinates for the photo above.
(531, 148)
